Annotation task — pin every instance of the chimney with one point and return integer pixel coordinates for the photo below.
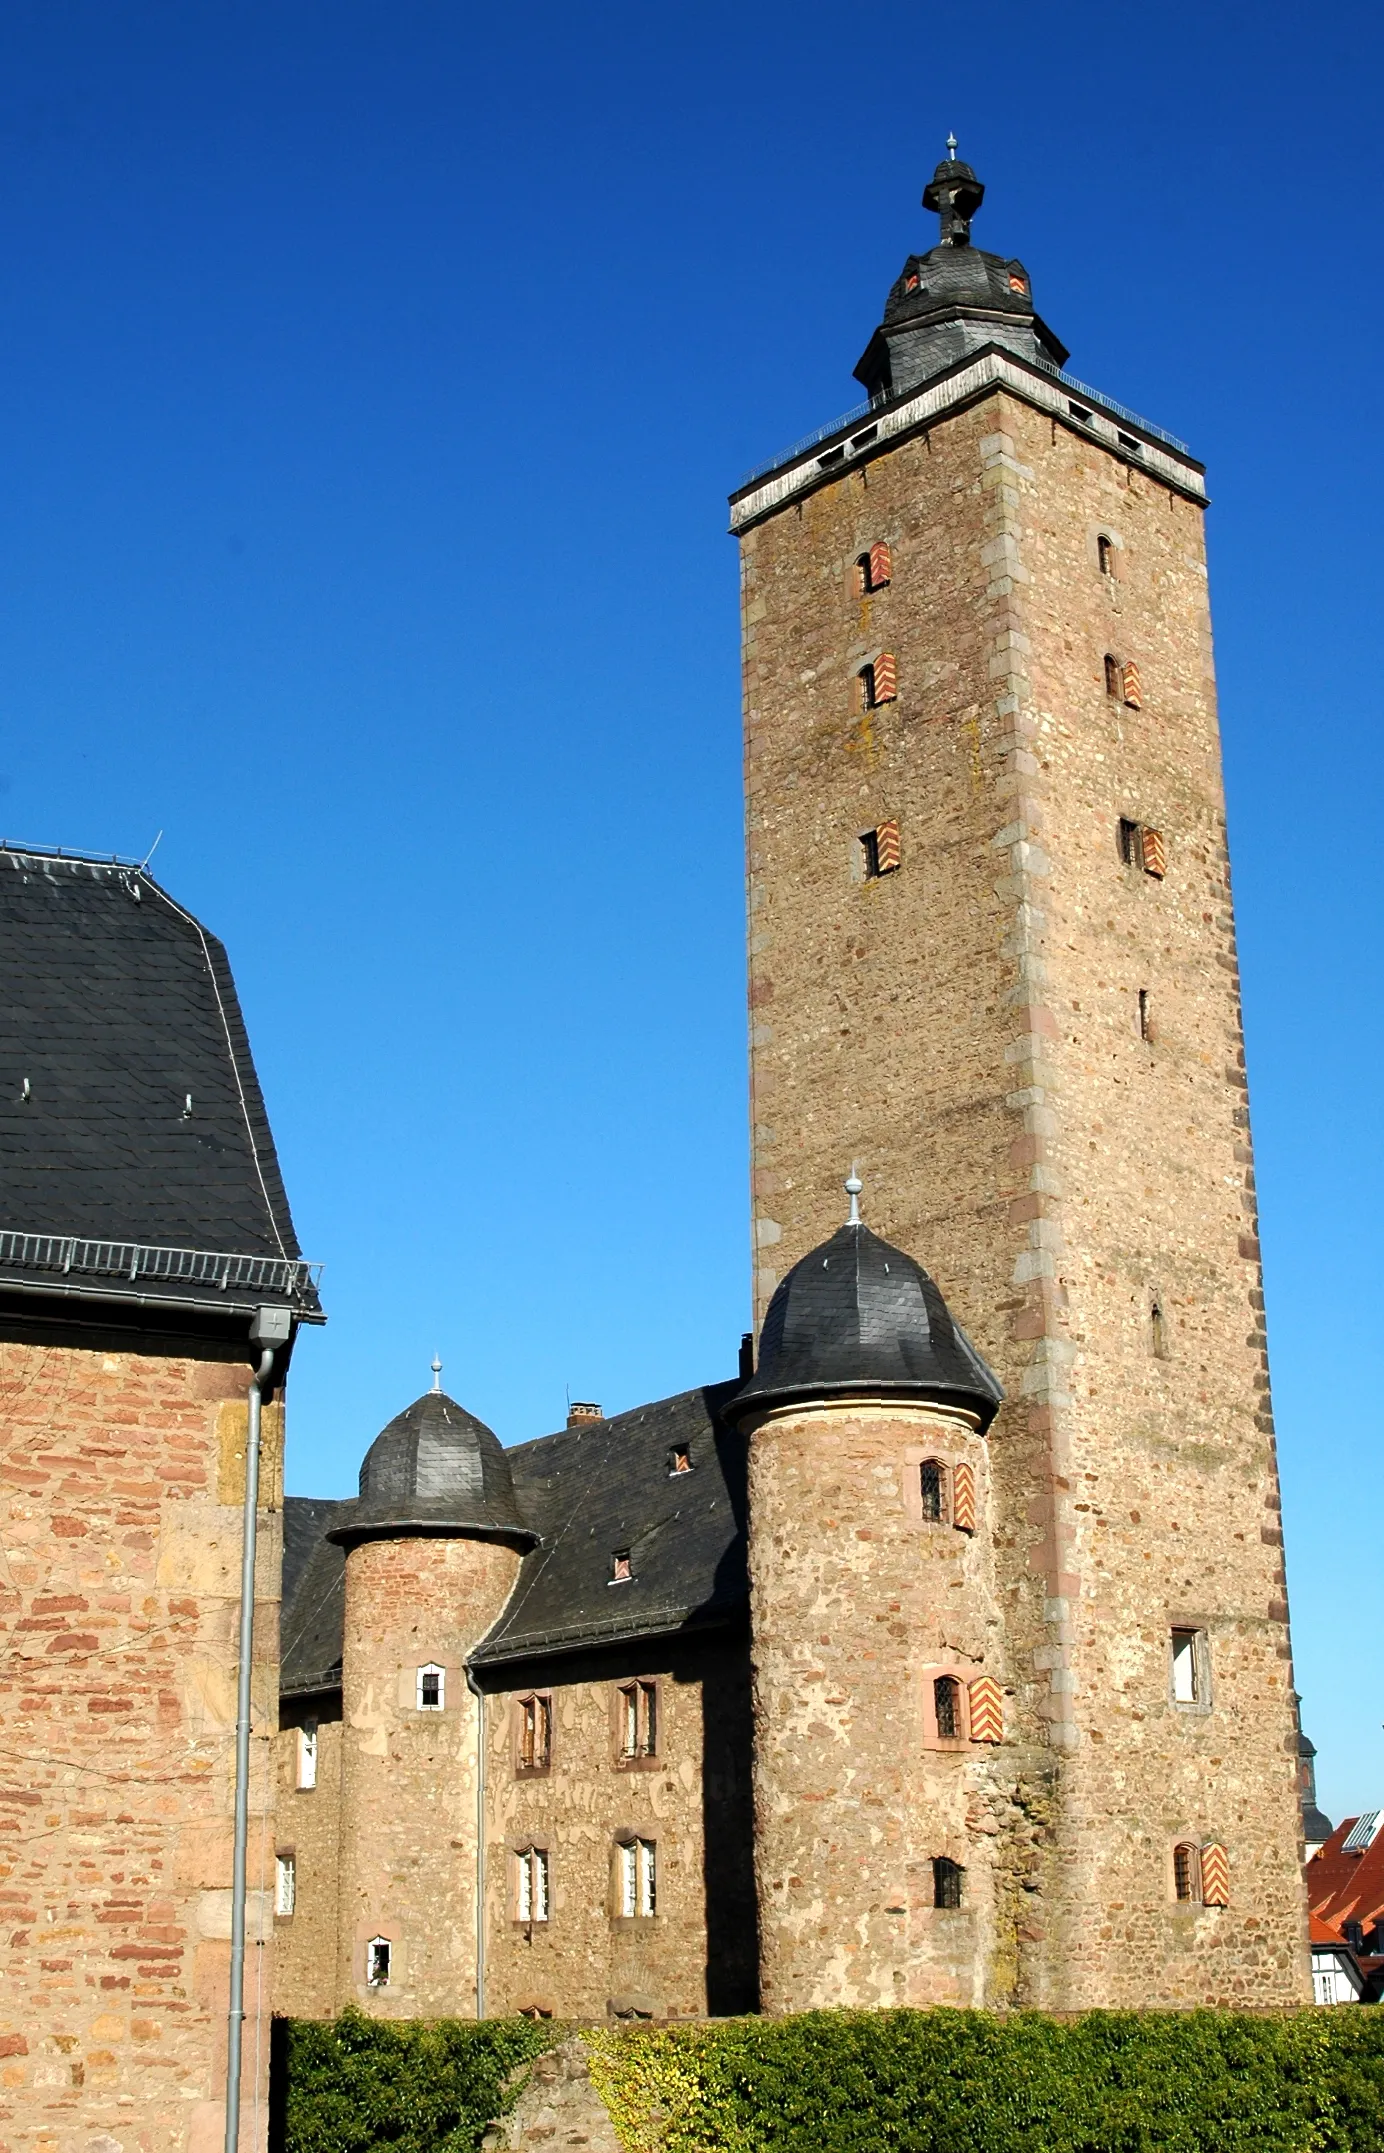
(578, 1413)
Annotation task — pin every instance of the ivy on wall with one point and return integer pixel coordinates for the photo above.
(352, 2084)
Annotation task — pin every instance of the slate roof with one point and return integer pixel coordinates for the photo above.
(435, 1469)
(857, 1314)
(120, 1007)
(589, 1491)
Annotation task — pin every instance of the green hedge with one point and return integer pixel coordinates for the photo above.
(965, 2082)
(864, 2082)
(416, 2086)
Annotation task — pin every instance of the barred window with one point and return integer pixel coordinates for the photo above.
(932, 1476)
(946, 1704)
(946, 1882)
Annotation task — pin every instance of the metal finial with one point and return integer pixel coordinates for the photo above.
(437, 1373)
(853, 1186)
(951, 148)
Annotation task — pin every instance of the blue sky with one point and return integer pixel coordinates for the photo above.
(371, 381)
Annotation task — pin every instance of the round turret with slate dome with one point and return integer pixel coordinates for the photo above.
(955, 300)
(435, 1470)
(875, 1633)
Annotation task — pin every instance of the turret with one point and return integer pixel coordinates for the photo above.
(433, 1549)
(879, 1684)
(953, 300)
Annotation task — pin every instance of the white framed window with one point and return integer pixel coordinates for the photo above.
(307, 1757)
(432, 1688)
(531, 1898)
(638, 1877)
(285, 1884)
(1189, 1678)
(379, 1954)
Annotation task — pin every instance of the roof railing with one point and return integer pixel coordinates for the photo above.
(851, 418)
(133, 1260)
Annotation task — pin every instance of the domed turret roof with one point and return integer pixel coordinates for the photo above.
(435, 1471)
(858, 1316)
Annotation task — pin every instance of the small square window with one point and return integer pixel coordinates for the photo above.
(285, 1884)
(432, 1688)
(947, 1878)
(679, 1461)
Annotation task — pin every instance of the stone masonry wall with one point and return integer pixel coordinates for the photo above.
(968, 1028)
(692, 1799)
(307, 1825)
(859, 1603)
(119, 1597)
(408, 1777)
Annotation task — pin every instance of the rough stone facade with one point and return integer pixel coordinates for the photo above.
(123, 1467)
(1033, 1048)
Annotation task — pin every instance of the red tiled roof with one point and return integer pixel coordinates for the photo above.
(1347, 1887)
(1322, 1932)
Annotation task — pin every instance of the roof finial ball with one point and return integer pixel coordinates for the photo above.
(853, 1186)
(956, 194)
(436, 1373)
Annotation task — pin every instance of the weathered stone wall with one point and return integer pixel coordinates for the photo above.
(697, 1951)
(858, 1604)
(307, 1825)
(119, 1599)
(968, 1028)
(408, 1777)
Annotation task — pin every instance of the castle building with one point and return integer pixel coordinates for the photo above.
(904, 1668)
(939, 1655)
(145, 1230)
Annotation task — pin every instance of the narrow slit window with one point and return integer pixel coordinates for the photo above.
(1158, 1332)
(1131, 843)
(431, 1688)
(638, 1704)
(932, 1477)
(946, 1705)
(379, 1955)
(1145, 1016)
(1187, 1683)
(307, 1757)
(535, 1733)
(285, 1885)
(1114, 677)
(1187, 1871)
(1105, 547)
(638, 1873)
(531, 1884)
(946, 1882)
(621, 1572)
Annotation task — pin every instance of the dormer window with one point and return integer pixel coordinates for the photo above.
(621, 1570)
(679, 1461)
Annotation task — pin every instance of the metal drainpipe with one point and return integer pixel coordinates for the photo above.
(272, 1327)
(472, 1685)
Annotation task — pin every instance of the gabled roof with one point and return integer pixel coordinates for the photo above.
(132, 1127)
(314, 1597)
(1345, 1887)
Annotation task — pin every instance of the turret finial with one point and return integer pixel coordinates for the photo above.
(955, 194)
(951, 148)
(853, 1186)
(437, 1373)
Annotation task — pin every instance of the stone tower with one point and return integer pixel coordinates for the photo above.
(432, 1552)
(992, 955)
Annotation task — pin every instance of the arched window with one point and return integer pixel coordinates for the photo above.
(1187, 1870)
(946, 1706)
(1114, 677)
(932, 1476)
(946, 1881)
(1105, 554)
